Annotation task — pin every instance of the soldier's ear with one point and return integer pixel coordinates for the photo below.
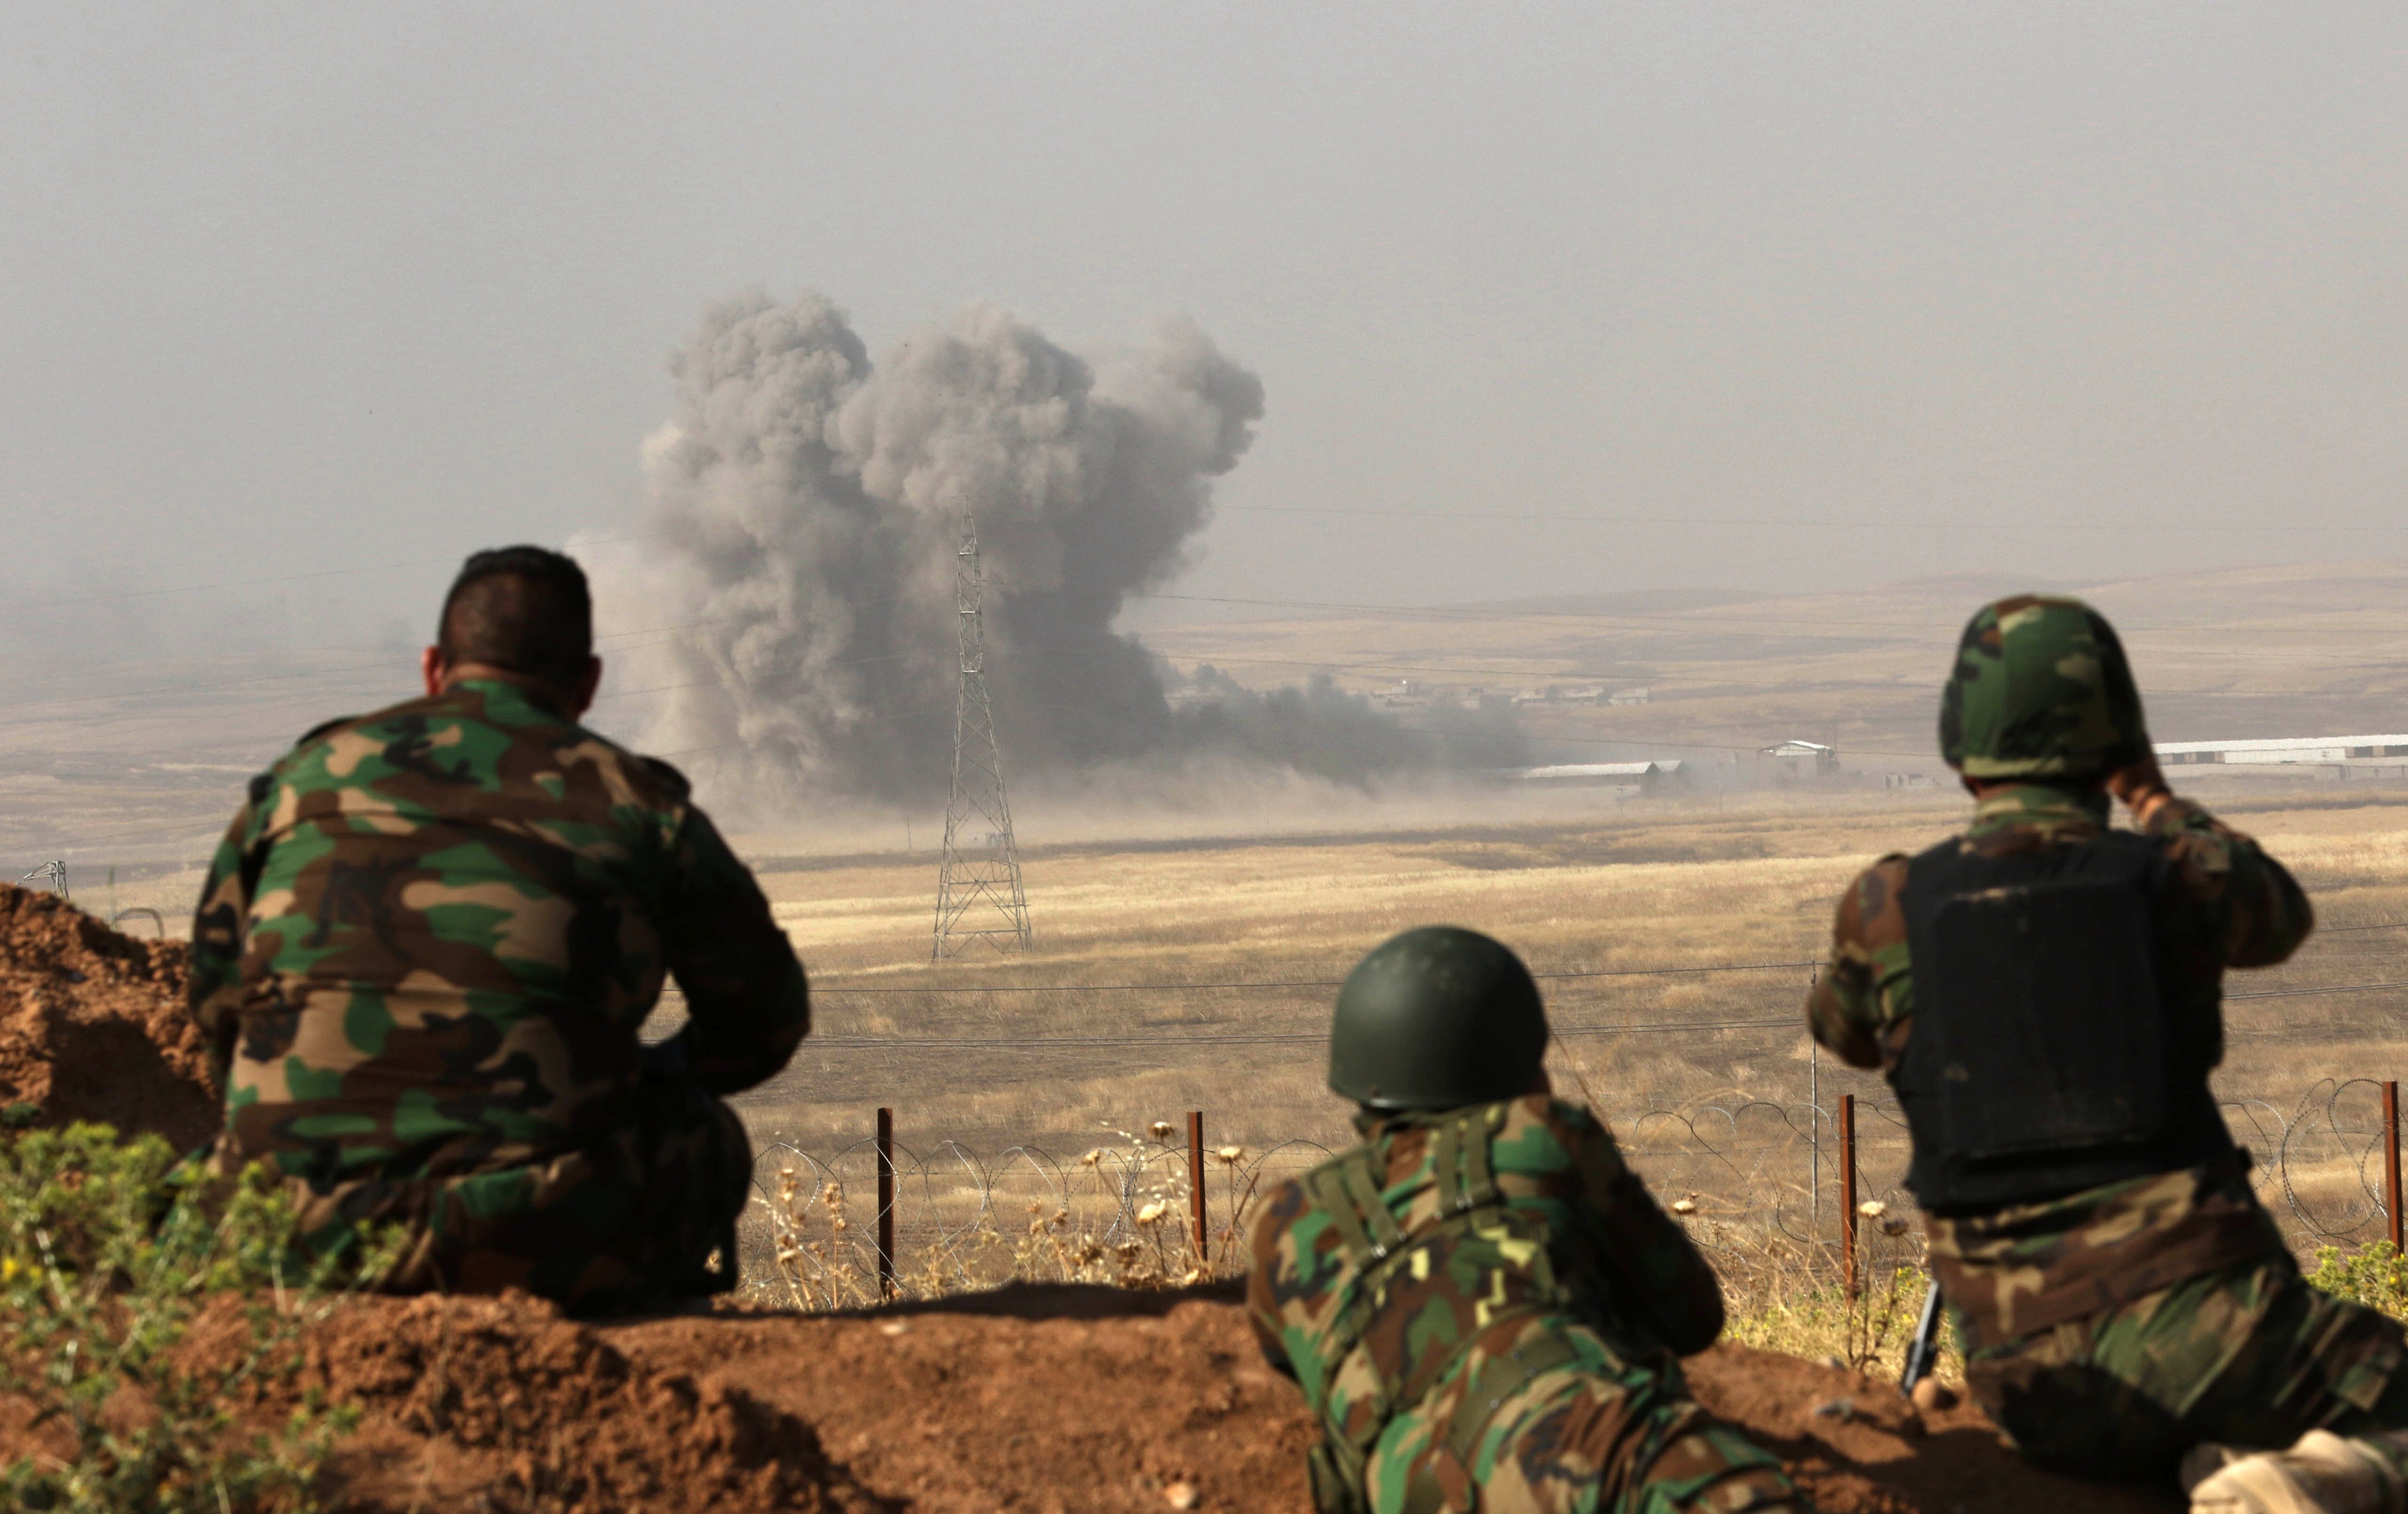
(430, 665)
(587, 681)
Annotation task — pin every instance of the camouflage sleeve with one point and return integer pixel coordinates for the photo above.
(2253, 907)
(747, 1007)
(1660, 1274)
(1279, 1212)
(1867, 989)
(215, 996)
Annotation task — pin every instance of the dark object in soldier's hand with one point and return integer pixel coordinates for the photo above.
(672, 1057)
(1923, 1353)
(2136, 781)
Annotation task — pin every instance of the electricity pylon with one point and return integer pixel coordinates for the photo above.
(54, 873)
(979, 898)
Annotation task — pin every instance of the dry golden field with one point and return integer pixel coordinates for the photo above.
(2260, 652)
(1676, 938)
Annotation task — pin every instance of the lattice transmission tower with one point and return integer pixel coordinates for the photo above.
(979, 897)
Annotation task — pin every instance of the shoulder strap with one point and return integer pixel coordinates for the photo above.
(1349, 1193)
(1466, 1169)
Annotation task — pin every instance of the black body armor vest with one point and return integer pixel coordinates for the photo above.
(2051, 1051)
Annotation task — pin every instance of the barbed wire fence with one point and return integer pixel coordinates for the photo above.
(1748, 1178)
(1756, 1181)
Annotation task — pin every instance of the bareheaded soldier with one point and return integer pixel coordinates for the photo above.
(1481, 1302)
(423, 952)
(2045, 995)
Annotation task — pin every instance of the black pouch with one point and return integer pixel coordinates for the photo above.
(2050, 1034)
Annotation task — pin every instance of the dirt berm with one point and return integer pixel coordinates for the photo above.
(1048, 1399)
(1031, 1398)
(93, 1023)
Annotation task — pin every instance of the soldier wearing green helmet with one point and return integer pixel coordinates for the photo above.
(2043, 993)
(1481, 1302)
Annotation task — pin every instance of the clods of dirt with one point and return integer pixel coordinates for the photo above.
(1049, 1399)
(1857, 1446)
(93, 1025)
(478, 1404)
(1066, 1400)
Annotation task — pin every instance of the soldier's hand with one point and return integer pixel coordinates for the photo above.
(2137, 782)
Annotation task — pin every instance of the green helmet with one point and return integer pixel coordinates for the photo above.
(1436, 1018)
(2041, 690)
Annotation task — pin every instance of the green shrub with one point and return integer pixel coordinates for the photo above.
(109, 1251)
(2376, 1276)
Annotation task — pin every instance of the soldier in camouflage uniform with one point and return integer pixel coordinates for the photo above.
(425, 946)
(2044, 993)
(1481, 1302)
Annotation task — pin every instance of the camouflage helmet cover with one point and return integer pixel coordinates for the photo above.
(1436, 1018)
(2040, 689)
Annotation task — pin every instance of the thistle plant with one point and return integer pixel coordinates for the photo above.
(109, 1251)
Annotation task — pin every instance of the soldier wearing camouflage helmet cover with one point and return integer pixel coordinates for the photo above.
(425, 946)
(1481, 1302)
(2044, 993)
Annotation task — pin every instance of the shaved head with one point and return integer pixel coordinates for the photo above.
(524, 609)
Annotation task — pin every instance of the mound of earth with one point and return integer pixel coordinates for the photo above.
(1057, 1400)
(93, 1024)
(481, 1403)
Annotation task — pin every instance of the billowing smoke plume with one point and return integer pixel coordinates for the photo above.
(809, 504)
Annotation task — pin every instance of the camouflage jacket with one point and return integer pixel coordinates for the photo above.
(427, 943)
(2036, 1265)
(1382, 1282)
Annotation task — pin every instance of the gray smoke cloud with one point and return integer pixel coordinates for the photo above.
(809, 504)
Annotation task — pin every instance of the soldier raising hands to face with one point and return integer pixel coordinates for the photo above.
(2045, 994)
(1481, 1302)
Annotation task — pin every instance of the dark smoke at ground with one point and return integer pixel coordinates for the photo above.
(806, 507)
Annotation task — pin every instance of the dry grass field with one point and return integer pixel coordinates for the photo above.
(1675, 939)
(2259, 652)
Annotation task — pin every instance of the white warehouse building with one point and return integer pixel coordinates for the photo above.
(2319, 750)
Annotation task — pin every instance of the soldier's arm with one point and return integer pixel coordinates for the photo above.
(747, 1007)
(1661, 1275)
(1268, 1241)
(215, 994)
(2256, 910)
(1866, 990)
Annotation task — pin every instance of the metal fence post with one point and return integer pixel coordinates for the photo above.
(1813, 1110)
(886, 1203)
(1848, 1193)
(2391, 1160)
(1196, 1187)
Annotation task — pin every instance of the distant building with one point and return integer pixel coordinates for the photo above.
(2370, 753)
(1906, 780)
(1628, 696)
(1645, 777)
(1563, 694)
(1801, 757)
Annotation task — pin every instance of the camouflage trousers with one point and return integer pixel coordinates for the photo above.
(1584, 1433)
(644, 1215)
(2248, 1357)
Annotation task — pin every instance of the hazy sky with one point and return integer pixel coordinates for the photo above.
(287, 288)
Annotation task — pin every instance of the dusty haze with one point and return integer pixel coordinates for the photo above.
(1837, 294)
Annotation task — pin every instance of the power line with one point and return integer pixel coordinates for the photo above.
(817, 987)
(1236, 1039)
(1296, 1038)
(1792, 523)
(281, 578)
